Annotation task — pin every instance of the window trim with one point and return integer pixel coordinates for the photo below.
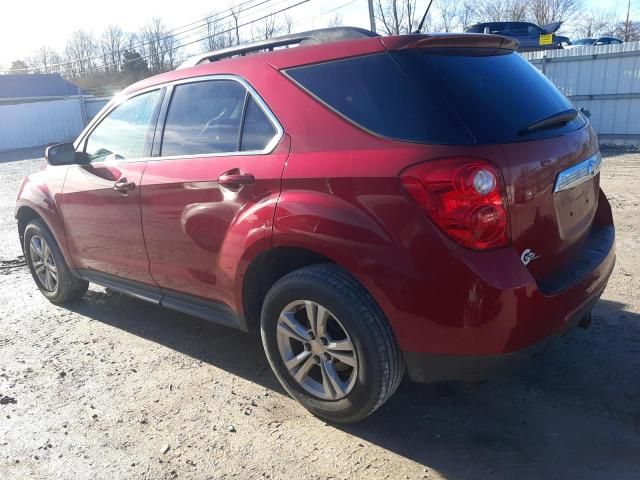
(148, 142)
(81, 142)
(162, 108)
(162, 120)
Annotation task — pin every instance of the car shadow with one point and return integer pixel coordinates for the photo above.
(572, 412)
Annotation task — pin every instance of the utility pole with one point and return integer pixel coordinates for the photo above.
(372, 17)
(626, 23)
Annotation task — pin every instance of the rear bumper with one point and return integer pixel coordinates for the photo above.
(429, 368)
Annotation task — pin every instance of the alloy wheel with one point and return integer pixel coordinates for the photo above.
(317, 350)
(43, 263)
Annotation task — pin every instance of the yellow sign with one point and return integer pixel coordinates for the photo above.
(546, 39)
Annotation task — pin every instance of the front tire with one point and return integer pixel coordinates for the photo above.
(329, 343)
(48, 267)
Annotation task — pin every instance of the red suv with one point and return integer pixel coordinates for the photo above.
(428, 202)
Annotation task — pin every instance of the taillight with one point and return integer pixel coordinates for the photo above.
(464, 197)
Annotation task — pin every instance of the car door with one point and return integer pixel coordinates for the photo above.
(211, 189)
(101, 196)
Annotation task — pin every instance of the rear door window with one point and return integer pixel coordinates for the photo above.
(257, 131)
(204, 117)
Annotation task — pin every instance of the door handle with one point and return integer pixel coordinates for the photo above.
(234, 178)
(123, 186)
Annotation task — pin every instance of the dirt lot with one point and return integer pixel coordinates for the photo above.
(112, 387)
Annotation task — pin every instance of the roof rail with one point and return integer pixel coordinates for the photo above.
(323, 35)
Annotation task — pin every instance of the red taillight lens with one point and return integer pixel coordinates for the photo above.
(464, 197)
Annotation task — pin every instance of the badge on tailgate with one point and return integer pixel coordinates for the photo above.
(579, 173)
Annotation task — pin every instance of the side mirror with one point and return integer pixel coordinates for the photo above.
(60, 154)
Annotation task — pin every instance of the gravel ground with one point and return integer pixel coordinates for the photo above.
(112, 387)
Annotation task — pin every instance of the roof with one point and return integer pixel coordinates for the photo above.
(307, 54)
(36, 85)
(311, 37)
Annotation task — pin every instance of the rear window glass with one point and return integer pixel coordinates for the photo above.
(373, 92)
(439, 96)
(496, 95)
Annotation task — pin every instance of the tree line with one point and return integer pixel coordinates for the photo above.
(395, 17)
(114, 58)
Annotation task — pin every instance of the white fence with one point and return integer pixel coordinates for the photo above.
(605, 80)
(35, 123)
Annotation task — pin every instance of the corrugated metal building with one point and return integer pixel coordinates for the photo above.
(41, 109)
(605, 80)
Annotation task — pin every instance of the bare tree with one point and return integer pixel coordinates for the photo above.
(45, 59)
(219, 34)
(235, 16)
(158, 46)
(449, 14)
(465, 13)
(112, 44)
(80, 50)
(396, 16)
(628, 29)
(268, 27)
(547, 11)
(595, 23)
(499, 10)
(335, 20)
(288, 23)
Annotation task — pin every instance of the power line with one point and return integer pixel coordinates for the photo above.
(169, 33)
(142, 57)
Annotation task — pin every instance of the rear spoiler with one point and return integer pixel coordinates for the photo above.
(450, 40)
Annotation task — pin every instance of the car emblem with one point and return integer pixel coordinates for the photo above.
(528, 256)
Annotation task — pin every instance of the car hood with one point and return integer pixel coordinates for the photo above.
(551, 27)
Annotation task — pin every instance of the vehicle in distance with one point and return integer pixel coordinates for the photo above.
(370, 205)
(529, 35)
(588, 42)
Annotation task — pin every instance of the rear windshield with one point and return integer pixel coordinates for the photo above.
(461, 96)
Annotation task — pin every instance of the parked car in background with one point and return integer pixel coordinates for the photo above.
(529, 35)
(588, 42)
(421, 202)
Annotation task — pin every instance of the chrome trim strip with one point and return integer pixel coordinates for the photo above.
(579, 173)
(254, 94)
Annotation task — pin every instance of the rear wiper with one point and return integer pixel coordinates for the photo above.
(556, 120)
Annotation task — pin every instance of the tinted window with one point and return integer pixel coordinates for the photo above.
(257, 131)
(204, 117)
(496, 95)
(123, 132)
(373, 92)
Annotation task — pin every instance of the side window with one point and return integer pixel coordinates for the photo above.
(123, 132)
(204, 117)
(258, 130)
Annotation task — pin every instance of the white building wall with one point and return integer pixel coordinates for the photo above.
(32, 124)
(605, 80)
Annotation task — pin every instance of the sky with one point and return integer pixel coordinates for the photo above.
(27, 25)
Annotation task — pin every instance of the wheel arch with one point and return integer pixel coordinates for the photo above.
(266, 269)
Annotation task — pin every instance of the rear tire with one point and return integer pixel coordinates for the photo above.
(48, 267)
(345, 370)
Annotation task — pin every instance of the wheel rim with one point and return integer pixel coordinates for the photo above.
(317, 350)
(43, 263)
